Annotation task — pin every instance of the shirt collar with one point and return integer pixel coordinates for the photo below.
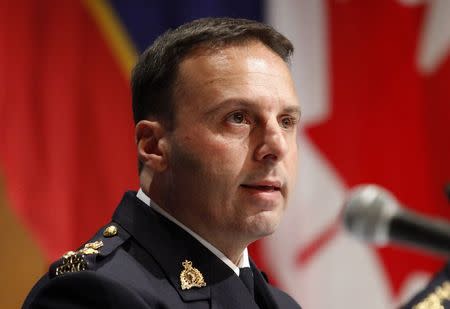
(244, 262)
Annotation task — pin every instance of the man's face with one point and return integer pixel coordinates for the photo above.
(233, 151)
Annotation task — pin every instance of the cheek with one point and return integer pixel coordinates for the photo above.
(227, 158)
(292, 160)
(220, 153)
(293, 157)
(207, 160)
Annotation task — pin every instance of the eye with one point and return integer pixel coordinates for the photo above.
(238, 118)
(288, 122)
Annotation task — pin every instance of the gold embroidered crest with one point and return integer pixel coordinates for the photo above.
(191, 277)
(75, 261)
(434, 300)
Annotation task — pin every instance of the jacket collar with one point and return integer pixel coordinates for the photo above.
(170, 246)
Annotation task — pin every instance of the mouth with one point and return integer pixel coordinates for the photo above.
(262, 187)
(264, 195)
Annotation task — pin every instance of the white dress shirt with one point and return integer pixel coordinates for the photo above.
(244, 262)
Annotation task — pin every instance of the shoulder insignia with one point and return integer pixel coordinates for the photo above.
(191, 277)
(76, 261)
(434, 300)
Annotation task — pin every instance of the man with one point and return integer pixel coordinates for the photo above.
(216, 118)
(435, 295)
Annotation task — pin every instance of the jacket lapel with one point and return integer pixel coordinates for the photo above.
(233, 292)
(170, 246)
(263, 294)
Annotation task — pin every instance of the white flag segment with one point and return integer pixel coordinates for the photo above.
(434, 43)
(311, 211)
(307, 30)
(341, 272)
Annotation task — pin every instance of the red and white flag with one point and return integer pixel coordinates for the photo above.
(374, 84)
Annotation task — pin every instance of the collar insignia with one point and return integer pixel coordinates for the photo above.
(191, 277)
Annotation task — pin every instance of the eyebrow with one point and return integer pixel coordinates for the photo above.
(293, 110)
(244, 103)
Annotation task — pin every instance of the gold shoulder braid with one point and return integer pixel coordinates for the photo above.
(434, 300)
(75, 261)
(191, 277)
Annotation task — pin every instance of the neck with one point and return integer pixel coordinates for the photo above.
(230, 249)
(230, 245)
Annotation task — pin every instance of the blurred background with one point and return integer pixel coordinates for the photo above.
(374, 84)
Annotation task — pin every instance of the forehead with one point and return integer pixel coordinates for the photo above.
(251, 70)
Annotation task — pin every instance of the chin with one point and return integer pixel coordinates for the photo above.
(263, 224)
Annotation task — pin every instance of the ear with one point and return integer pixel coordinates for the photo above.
(151, 145)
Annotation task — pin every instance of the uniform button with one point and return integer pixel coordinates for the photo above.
(110, 231)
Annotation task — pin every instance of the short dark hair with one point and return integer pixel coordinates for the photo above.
(154, 76)
(155, 73)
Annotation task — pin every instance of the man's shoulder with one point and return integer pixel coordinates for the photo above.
(100, 249)
(437, 292)
(84, 289)
(283, 299)
(102, 270)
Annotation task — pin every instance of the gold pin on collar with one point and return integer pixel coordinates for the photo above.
(110, 231)
(191, 277)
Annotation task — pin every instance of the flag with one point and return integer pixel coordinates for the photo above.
(373, 78)
(374, 84)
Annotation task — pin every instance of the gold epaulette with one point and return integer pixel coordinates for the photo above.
(74, 261)
(435, 299)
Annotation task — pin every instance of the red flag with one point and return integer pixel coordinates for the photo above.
(66, 128)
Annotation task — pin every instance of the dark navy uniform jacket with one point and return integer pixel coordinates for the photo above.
(435, 295)
(140, 267)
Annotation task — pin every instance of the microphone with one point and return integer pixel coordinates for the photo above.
(373, 214)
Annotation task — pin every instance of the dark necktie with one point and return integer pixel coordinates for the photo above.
(246, 276)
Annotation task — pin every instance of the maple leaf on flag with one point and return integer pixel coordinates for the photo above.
(375, 88)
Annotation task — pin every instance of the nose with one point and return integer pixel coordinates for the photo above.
(272, 145)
